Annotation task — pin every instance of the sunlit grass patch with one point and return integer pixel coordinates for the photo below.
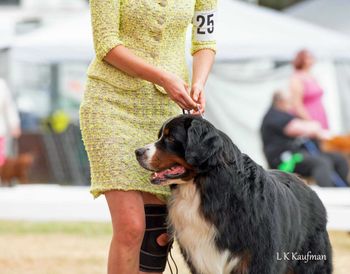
(81, 228)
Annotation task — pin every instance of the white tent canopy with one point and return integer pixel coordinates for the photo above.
(8, 20)
(68, 40)
(6, 34)
(243, 31)
(248, 31)
(333, 14)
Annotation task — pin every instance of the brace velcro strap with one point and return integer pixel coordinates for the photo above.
(153, 257)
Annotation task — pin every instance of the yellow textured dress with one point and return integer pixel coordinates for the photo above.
(120, 113)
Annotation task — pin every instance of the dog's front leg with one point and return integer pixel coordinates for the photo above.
(188, 262)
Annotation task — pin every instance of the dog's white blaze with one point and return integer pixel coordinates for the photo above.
(195, 235)
(150, 151)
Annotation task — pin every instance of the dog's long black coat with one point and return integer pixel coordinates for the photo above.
(257, 212)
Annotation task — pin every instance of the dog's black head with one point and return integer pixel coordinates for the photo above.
(187, 145)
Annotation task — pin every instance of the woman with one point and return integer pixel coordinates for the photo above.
(306, 92)
(137, 81)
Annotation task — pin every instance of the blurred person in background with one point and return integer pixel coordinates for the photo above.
(9, 119)
(138, 80)
(306, 92)
(283, 133)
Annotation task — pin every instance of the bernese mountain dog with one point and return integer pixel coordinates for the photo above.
(229, 215)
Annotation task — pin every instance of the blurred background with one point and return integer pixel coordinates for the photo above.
(45, 49)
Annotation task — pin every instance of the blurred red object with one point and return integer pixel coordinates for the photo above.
(16, 168)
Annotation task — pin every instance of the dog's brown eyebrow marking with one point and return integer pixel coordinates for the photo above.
(166, 131)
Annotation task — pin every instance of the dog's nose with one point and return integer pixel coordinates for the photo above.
(140, 151)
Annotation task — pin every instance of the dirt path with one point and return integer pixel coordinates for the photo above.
(59, 254)
(55, 253)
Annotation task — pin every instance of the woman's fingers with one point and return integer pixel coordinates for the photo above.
(184, 104)
(200, 109)
(195, 93)
(180, 101)
(178, 91)
(184, 100)
(189, 103)
(202, 101)
(181, 105)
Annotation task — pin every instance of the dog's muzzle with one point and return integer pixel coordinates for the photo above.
(144, 155)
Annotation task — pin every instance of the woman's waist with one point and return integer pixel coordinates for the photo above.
(175, 63)
(101, 96)
(115, 77)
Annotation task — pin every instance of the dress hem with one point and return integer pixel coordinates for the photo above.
(161, 194)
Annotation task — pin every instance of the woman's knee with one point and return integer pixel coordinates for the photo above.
(128, 216)
(130, 231)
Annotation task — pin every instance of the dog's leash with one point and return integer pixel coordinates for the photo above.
(170, 268)
(184, 111)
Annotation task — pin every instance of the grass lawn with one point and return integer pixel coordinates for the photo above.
(81, 248)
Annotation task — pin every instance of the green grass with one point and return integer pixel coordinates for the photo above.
(71, 228)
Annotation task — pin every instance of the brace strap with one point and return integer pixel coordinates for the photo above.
(153, 257)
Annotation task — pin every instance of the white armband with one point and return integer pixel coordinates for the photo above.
(204, 25)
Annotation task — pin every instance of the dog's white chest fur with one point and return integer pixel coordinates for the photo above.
(195, 235)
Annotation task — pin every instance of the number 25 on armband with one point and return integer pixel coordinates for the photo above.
(204, 23)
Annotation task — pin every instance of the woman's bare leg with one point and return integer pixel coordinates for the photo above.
(128, 220)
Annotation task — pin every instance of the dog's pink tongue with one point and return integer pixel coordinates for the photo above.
(174, 170)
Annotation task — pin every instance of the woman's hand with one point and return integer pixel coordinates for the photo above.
(177, 90)
(197, 94)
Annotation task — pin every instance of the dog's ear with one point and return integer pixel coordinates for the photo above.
(203, 142)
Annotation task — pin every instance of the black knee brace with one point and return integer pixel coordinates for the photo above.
(153, 257)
